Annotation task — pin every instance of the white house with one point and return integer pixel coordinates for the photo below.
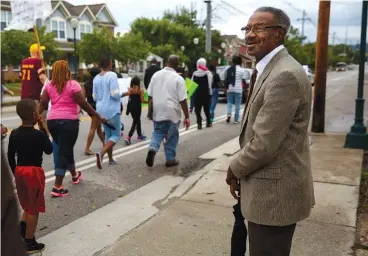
(59, 22)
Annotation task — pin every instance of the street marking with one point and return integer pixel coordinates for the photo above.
(128, 151)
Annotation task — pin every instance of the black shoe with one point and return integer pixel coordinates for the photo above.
(170, 163)
(228, 119)
(59, 192)
(200, 127)
(23, 228)
(209, 125)
(150, 158)
(33, 247)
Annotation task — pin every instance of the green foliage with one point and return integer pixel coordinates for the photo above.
(306, 54)
(175, 29)
(97, 45)
(15, 46)
(130, 47)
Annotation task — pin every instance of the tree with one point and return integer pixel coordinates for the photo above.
(15, 46)
(131, 48)
(51, 53)
(175, 29)
(97, 45)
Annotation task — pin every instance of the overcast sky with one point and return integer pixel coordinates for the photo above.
(345, 15)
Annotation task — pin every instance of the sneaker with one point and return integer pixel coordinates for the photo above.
(236, 122)
(77, 179)
(199, 126)
(150, 157)
(142, 137)
(209, 125)
(211, 119)
(127, 141)
(33, 247)
(170, 163)
(228, 119)
(112, 163)
(99, 160)
(59, 192)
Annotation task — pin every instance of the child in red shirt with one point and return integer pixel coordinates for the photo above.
(29, 145)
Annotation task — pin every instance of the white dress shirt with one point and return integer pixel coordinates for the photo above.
(262, 64)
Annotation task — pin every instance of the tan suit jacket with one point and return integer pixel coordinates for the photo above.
(273, 164)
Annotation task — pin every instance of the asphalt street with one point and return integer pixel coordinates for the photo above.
(101, 187)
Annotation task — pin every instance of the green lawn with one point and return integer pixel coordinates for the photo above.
(15, 87)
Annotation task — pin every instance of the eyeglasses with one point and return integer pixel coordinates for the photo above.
(258, 28)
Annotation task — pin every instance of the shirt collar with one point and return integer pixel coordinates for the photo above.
(171, 69)
(261, 65)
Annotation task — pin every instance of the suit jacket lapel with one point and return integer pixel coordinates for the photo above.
(259, 82)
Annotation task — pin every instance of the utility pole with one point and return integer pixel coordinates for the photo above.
(333, 38)
(321, 60)
(208, 26)
(303, 19)
(346, 38)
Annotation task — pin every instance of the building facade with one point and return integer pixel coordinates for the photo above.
(59, 23)
(237, 46)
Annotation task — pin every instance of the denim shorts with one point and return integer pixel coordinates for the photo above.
(113, 135)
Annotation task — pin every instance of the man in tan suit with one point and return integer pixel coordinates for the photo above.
(273, 165)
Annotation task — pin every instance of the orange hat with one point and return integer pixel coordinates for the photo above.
(34, 48)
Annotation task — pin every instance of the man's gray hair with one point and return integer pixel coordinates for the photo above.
(281, 17)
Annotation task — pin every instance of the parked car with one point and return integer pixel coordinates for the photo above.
(340, 66)
(309, 73)
(221, 70)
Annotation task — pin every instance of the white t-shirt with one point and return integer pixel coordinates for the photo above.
(167, 90)
(240, 75)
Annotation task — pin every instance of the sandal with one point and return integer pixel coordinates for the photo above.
(89, 153)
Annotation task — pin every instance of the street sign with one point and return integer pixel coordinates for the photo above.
(26, 12)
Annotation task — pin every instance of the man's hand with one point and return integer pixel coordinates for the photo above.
(186, 123)
(232, 181)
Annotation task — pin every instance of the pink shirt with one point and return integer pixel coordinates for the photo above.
(63, 106)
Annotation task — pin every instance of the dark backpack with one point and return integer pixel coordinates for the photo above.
(230, 76)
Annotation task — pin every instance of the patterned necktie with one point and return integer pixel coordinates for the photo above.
(251, 86)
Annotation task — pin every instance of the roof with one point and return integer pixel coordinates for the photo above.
(95, 8)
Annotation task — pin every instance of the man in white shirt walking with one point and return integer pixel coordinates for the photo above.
(169, 96)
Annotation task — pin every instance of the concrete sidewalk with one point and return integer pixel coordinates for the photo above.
(200, 222)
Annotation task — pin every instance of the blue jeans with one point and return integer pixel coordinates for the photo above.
(161, 129)
(214, 100)
(113, 135)
(55, 152)
(192, 101)
(234, 98)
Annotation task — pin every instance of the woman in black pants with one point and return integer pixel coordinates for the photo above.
(203, 77)
(63, 121)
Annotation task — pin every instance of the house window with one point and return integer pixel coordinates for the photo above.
(58, 29)
(5, 19)
(85, 28)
